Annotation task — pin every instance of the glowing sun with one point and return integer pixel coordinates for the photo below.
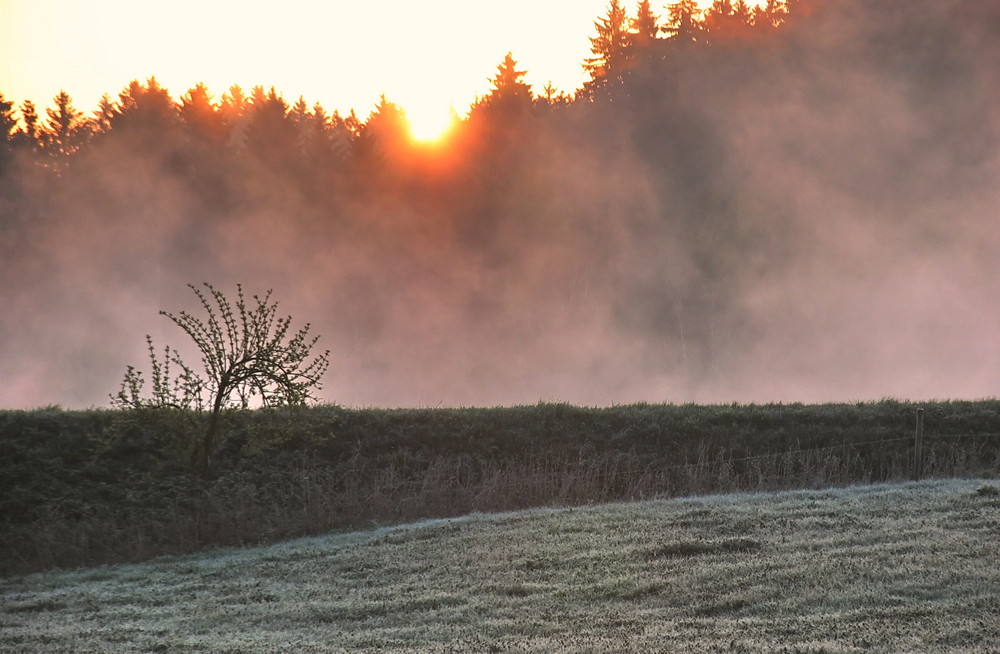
(429, 123)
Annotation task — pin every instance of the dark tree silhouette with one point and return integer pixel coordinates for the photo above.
(768, 16)
(683, 22)
(718, 18)
(29, 116)
(509, 99)
(379, 150)
(8, 132)
(146, 113)
(611, 51)
(645, 26)
(234, 108)
(270, 135)
(202, 120)
(726, 20)
(104, 115)
(65, 130)
(249, 356)
(8, 124)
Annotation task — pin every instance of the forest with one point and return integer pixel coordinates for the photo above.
(794, 201)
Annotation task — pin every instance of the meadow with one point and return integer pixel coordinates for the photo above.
(892, 567)
(85, 488)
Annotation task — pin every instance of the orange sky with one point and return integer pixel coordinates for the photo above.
(428, 56)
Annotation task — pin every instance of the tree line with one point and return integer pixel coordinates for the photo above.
(263, 122)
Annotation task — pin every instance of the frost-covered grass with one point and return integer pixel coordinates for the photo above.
(887, 568)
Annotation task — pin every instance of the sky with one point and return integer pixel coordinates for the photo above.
(429, 56)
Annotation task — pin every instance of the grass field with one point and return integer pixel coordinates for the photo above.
(910, 567)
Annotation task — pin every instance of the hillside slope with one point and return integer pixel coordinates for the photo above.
(887, 568)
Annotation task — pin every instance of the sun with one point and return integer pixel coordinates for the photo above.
(428, 124)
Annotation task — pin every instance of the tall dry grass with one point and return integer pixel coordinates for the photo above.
(254, 505)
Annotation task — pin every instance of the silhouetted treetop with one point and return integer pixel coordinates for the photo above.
(65, 129)
(509, 99)
(645, 26)
(144, 109)
(201, 117)
(610, 49)
(683, 22)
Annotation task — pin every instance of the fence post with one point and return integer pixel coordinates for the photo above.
(918, 438)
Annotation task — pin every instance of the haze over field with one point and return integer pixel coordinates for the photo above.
(810, 216)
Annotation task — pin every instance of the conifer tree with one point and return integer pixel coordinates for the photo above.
(202, 119)
(552, 97)
(343, 132)
(8, 130)
(610, 48)
(29, 116)
(382, 134)
(718, 18)
(8, 124)
(104, 115)
(147, 110)
(64, 130)
(510, 98)
(233, 104)
(727, 20)
(683, 24)
(768, 16)
(270, 133)
(645, 26)
(233, 107)
(743, 14)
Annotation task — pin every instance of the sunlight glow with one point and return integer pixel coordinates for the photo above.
(428, 123)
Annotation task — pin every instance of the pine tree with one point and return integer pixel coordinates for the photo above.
(718, 19)
(8, 124)
(145, 107)
(510, 98)
(202, 119)
(233, 107)
(64, 130)
(382, 135)
(310, 127)
(742, 14)
(270, 133)
(104, 115)
(8, 131)
(683, 25)
(645, 26)
(233, 104)
(552, 97)
(146, 118)
(343, 132)
(768, 16)
(30, 134)
(610, 48)
(726, 20)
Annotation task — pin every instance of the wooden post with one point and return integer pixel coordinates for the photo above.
(918, 455)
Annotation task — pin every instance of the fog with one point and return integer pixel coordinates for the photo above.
(813, 219)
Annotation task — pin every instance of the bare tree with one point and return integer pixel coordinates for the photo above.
(249, 358)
